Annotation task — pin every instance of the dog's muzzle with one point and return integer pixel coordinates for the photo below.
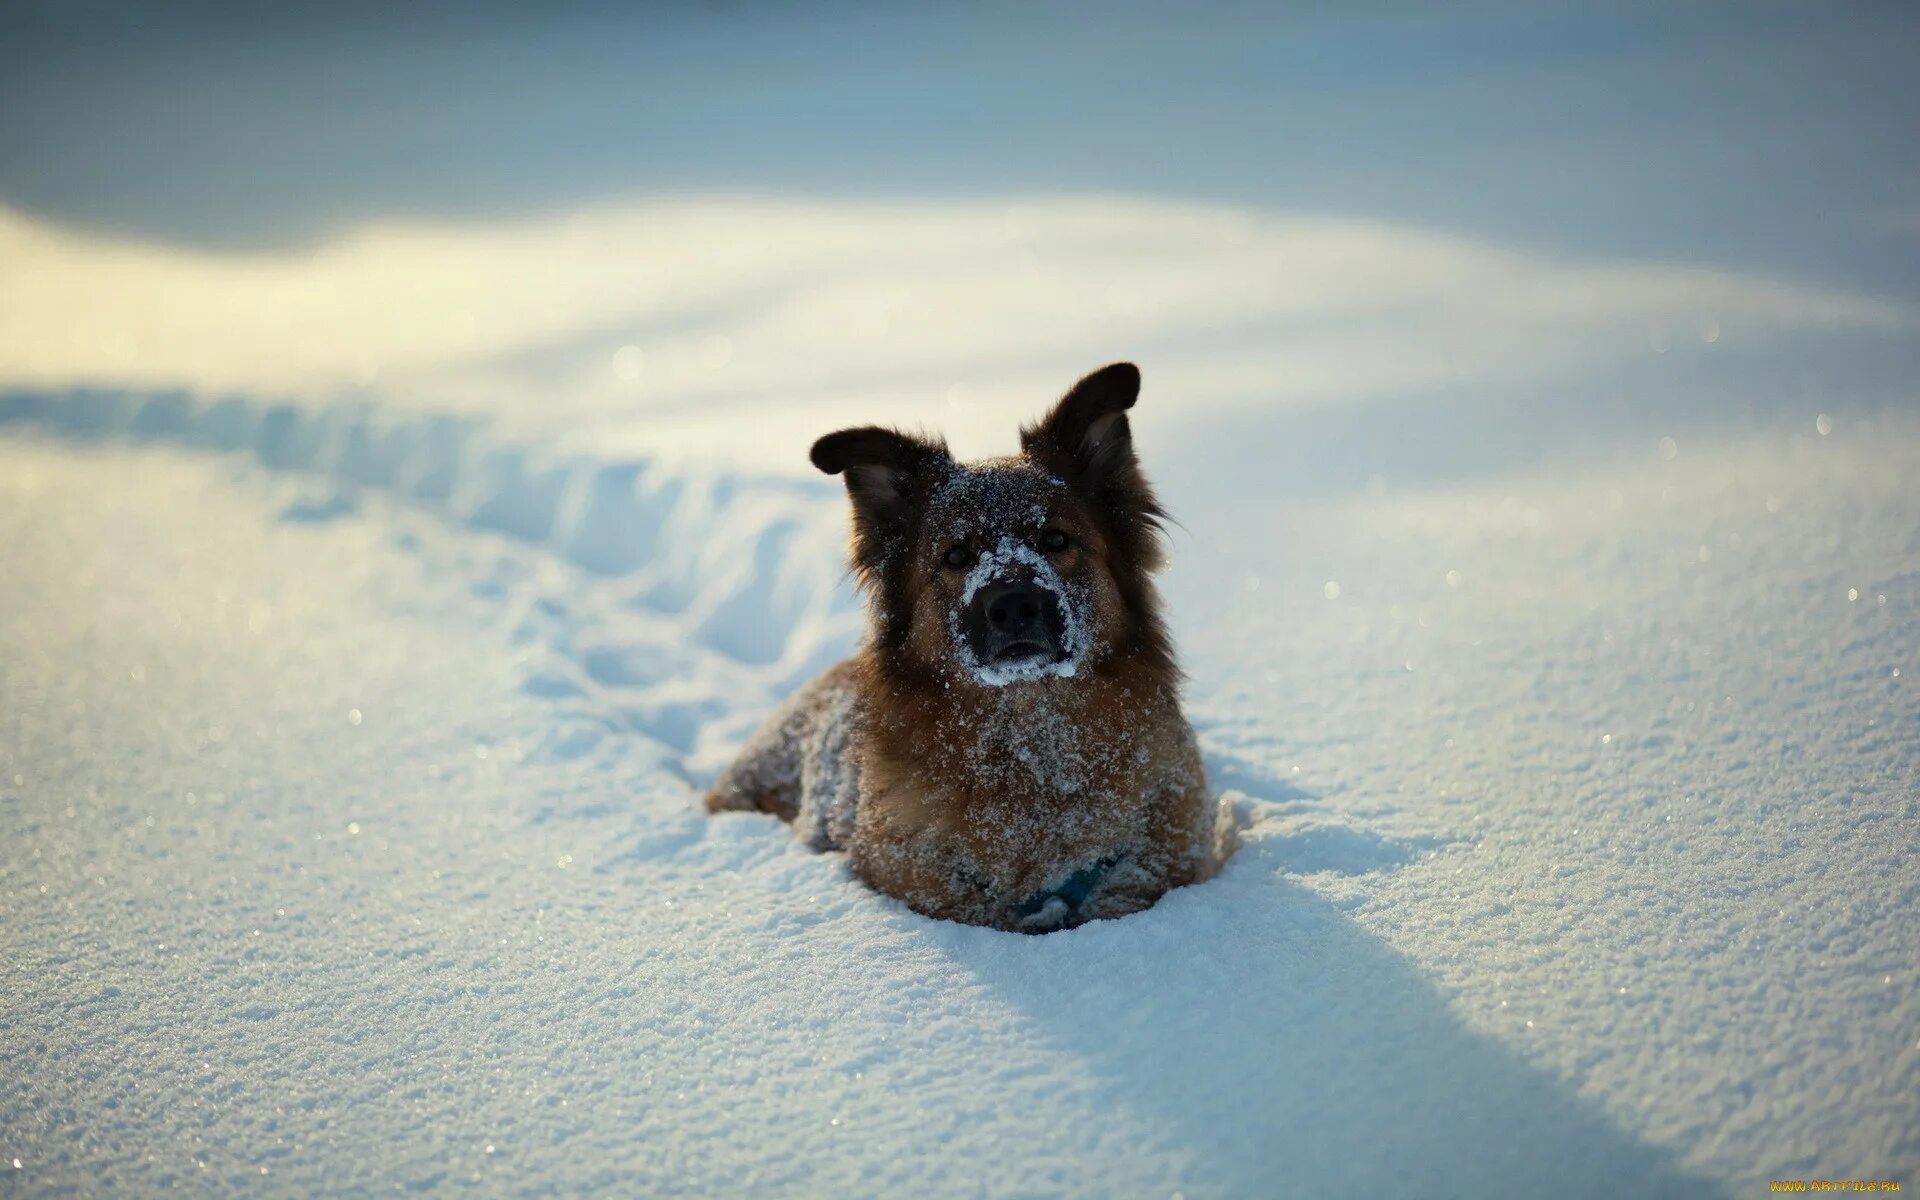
(1014, 621)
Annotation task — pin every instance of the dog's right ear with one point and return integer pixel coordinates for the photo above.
(889, 475)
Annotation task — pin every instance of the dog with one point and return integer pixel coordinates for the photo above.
(1007, 748)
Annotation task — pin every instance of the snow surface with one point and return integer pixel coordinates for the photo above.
(350, 786)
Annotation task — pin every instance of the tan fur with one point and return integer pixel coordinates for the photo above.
(962, 815)
(985, 804)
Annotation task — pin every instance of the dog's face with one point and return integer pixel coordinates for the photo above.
(1012, 570)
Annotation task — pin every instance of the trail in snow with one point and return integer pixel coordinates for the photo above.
(672, 601)
(688, 592)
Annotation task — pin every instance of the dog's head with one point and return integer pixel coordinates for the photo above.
(1014, 569)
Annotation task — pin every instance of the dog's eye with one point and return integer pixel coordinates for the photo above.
(956, 556)
(1053, 541)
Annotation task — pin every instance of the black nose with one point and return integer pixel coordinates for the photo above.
(1013, 609)
(1015, 619)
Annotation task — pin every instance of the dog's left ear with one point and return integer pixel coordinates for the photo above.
(1086, 440)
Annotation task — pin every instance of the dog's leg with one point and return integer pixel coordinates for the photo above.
(783, 760)
(766, 776)
(1184, 841)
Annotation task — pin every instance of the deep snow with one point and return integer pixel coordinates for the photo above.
(353, 839)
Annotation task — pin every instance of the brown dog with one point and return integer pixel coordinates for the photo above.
(1007, 749)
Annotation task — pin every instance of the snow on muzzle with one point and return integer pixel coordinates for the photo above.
(1017, 619)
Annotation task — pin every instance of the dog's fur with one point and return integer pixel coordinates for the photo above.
(1031, 797)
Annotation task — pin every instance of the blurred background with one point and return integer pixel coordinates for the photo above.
(716, 230)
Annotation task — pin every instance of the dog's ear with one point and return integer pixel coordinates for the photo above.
(1087, 442)
(1086, 438)
(889, 475)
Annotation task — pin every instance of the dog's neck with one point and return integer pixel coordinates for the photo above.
(1054, 739)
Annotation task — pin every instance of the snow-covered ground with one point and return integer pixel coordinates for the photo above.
(375, 604)
(352, 836)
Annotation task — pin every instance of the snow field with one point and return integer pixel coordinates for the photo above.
(427, 712)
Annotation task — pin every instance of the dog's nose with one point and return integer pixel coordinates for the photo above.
(1012, 620)
(1013, 609)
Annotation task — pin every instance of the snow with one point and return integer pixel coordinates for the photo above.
(352, 836)
(378, 604)
(967, 311)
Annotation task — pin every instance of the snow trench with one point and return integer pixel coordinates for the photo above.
(721, 581)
